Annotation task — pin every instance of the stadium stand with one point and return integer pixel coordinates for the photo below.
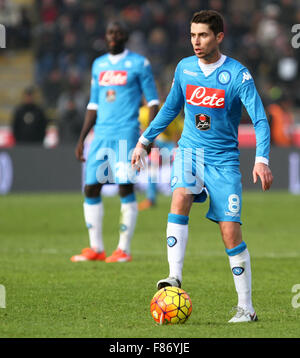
(51, 44)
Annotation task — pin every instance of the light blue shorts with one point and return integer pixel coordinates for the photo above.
(223, 184)
(109, 161)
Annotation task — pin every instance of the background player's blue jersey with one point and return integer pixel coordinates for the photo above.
(213, 108)
(116, 93)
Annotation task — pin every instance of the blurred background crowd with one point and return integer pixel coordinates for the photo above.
(63, 37)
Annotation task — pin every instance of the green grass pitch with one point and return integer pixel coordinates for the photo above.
(48, 296)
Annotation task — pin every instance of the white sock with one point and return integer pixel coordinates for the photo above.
(177, 237)
(129, 212)
(93, 214)
(241, 270)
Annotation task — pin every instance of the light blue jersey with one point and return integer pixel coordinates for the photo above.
(213, 107)
(208, 153)
(118, 84)
(116, 93)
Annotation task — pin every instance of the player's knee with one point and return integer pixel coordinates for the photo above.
(231, 233)
(181, 202)
(92, 191)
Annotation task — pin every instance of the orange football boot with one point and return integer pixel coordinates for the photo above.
(145, 204)
(89, 254)
(119, 256)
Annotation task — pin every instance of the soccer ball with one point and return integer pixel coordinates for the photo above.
(171, 305)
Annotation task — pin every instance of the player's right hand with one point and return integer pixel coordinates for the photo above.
(139, 156)
(79, 152)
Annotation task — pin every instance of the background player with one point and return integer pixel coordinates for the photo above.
(119, 79)
(168, 140)
(212, 87)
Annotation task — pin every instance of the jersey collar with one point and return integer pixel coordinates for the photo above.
(209, 68)
(116, 58)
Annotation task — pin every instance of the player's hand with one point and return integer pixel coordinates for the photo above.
(139, 156)
(79, 152)
(262, 171)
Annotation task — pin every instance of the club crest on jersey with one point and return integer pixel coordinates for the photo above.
(113, 78)
(202, 122)
(224, 77)
(171, 241)
(205, 97)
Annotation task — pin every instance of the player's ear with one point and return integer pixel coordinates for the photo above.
(220, 37)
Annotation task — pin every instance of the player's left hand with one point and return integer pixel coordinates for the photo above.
(138, 160)
(263, 171)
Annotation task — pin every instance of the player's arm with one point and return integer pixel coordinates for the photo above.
(90, 116)
(165, 116)
(89, 122)
(149, 89)
(253, 104)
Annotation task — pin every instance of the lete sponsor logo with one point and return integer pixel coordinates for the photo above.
(205, 97)
(113, 78)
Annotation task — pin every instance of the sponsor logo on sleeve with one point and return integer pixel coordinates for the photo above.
(246, 77)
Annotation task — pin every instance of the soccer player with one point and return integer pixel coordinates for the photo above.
(119, 80)
(212, 88)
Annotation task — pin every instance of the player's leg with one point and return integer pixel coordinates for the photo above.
(177, 236)
(92, 209)
(177, 226)
(93, 215)
(225, 189)
(151, 190)
(129, 212)
(239, 260)
(125, 177)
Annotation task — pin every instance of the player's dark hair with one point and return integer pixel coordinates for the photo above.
(211, 18)
(121, 24)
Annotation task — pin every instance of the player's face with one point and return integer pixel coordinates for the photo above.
(205, 42)
(116, 38)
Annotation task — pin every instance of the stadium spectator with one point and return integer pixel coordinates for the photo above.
(70, 33)
(29, 121)
(281, 122)
(72, 55)
(48, 11)
(52, 87)
(72, 90)
(69, 123)
(260, 31)
(10, 17)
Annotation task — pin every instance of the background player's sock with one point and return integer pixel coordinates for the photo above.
(129, 212)
(151, 191)
(93, 214)
(177, 237)
(239, 260)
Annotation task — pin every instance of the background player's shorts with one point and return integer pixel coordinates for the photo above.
(223, 184)
(109, 161)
